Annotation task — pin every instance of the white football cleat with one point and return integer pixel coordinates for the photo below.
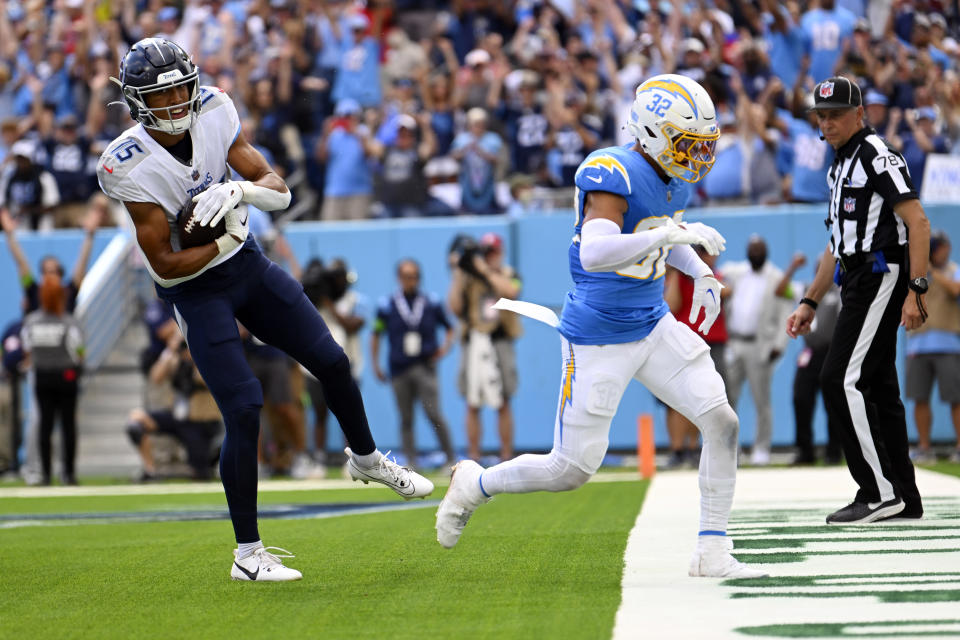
(463, 497)
(263, 566)
(405, 481)
(712, 559)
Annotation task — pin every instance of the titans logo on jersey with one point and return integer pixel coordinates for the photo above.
(623, 306)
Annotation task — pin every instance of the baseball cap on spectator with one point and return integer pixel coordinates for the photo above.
(926, 112)
(862, 24)
(477, 57)
(358, 21)
(347, 107)
(937, 20)
(23, 148)
(691, 44)
(644, 6)
(476, 114)
(68, 121)
(875, 97)
(74, 4)
(938, 238)
(168, 13)
(921, 20)
(836, 93)
(490, 242)
(406, 121)
(726, 118)
(15, 12)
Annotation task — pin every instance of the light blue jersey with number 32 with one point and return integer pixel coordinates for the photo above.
(623, 306)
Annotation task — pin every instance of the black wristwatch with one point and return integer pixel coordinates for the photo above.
(919, 285)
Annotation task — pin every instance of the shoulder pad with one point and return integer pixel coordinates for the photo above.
(211, 98)
(604, 171)
(116, 163)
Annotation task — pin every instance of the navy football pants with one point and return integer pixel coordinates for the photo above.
(272, 306)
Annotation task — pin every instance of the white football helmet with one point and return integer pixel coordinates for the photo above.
(675, 122)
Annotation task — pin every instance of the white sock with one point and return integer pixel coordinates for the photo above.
(369, 460)
(245, 549)
(718, 467)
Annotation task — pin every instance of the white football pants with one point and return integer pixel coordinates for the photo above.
(675, 365)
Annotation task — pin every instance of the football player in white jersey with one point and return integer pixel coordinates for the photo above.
(186, 137)
(629, 202)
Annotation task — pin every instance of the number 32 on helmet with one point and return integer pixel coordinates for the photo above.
(675, 122)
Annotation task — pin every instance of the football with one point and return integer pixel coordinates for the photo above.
(191, 233)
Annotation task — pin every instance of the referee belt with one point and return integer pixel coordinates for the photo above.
(854, 260)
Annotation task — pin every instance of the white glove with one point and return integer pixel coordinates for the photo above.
(237, 231)
(692, 233)
(711, 240)
(706, 296)
(214, 203)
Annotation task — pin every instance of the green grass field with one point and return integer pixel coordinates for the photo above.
(542, 565)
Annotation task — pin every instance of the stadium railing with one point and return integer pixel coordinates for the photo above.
(107, 300)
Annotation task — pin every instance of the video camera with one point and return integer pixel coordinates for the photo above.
(467, 248)
(322, 282)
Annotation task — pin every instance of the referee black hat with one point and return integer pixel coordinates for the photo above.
(836, 93)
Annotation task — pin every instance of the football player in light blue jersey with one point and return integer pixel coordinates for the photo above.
(615, 325)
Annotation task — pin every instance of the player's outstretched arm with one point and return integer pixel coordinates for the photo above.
(603, 246)
(262, 188)
(153, 235)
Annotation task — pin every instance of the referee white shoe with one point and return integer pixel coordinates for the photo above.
(406, 482)
(263, 566)
(463, 497)
(712, 559)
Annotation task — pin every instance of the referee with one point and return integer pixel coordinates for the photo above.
(878, 252)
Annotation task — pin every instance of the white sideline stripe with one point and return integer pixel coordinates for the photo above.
(215, 487)
(658, 594)
(855, 401)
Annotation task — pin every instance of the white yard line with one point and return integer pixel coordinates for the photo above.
(661, 601)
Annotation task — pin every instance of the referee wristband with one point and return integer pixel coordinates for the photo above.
(810, 303)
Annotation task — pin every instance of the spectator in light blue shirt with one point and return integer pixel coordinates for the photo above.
(808, 157)
(921, 140)
(345, 147)
(358, 77)
(783, 39)
(478, 151)
(826, 30)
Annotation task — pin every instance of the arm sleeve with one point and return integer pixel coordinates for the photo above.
(684, 258)
(604, 248)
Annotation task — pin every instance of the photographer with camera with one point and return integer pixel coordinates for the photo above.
(488, 372)
(342, 309)
(193, 419)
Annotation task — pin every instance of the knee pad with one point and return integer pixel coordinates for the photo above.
(135, 432)
(720, 425)
(567, 475)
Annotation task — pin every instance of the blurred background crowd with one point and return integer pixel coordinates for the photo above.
(396, 108)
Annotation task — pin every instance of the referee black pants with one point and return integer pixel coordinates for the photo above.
(860, 388)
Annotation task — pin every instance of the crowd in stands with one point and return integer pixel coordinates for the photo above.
(395, 108)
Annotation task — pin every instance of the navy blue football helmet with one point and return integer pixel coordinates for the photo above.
(152, 65)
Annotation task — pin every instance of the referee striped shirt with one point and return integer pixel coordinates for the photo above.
(866, 180)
